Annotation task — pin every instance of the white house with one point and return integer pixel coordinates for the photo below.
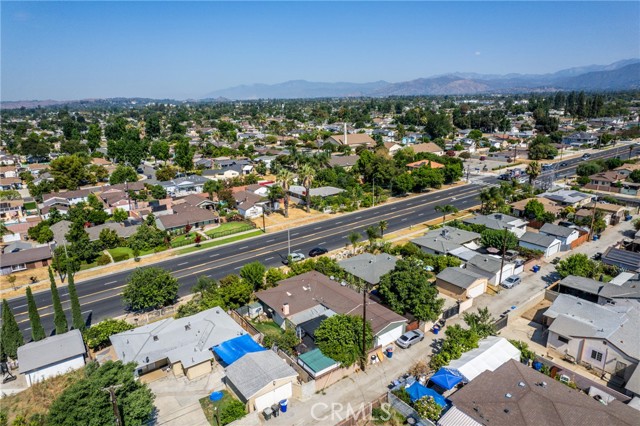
(52, 356)
(547, 244)
(562, 233)
(489, 266)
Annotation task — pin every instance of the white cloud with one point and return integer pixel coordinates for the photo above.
(477, 53)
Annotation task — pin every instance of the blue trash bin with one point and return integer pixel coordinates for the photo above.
(537, 365)
(536, 268)
(283, 406)
(595, 237)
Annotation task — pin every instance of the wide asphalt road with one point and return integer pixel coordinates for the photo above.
(100, 298)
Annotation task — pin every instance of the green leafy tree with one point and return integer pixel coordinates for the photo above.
(526, 354)
(211, 187)
(94, 135)
(340, 338)
(76, 313)
(119, 215)
(634, 176)
(109, 238)
(166, 173)
(147, 237)
(534, 209)
(372, 234)
(59, 317)
(407, 289)
(403, 183)
(37, 331)
(353, 238)
(458, 340)
(578, 264)
(445, 210)
(86, 403)
(183, 155)
(150, 288)
(69, 172)
(152, 126)
(426, 177)
(253, 274)
(10, 336)
(589, 168)
(499, 239)
(123, 174)
(481, 322)
(273, 276)
(97, 336)
(158, 192)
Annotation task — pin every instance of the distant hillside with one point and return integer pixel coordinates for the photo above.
(625, 78)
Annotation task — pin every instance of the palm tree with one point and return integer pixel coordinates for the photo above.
(533, 170)
(211, 187)
(353, 238)
(274, 193)
(307, 174)
(372, 234)
(445, 210)
(383, 225)
(285, 178)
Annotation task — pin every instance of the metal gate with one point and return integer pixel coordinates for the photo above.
(501, 322)
(451, 312)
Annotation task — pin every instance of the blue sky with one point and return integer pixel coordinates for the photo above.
(72, 50)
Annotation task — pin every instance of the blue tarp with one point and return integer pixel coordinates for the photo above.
(232, 350)
(445, 379)
(417, 391)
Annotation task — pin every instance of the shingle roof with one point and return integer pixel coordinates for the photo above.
(256, 370)
(485, 400)
(581, 283)
(556, 230)
(343, 160)
(626, 259)
(486, 263)
(537, 239)
(369, 267)
(460, 277)
(312, 289)
(445, 239)
(497, 221)
(25, 256)
(51, 350)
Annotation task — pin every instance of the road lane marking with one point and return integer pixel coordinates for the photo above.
(111, 282)
(315, 229)
(338, 223)
(214, 255)
(235, 269)
(269, 258)
(243, 248)
(271, 240)
(358, 217)
(183, 263)
(293, 235)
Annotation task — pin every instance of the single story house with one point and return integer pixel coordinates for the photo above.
(220, 174)
(626, 169)
(369, 267)
(491, 353)
(517, 208)
(323, 191)
(393, 147)
(261, 379)
(184, 215)
(344, 161)
(580, 138)
(182, 344)
(312, 294)
(184, 186)
(562, 233)
(52, 356)
(568, 197)
(446, 239)
(461, 283)
(60, 230)
(547, 244)
(624, 259)
(427, 147)
(24, 259)
(426, 163)
(353, 140)
(498, 222)
(515, 394)
(489, 267)
(604, 336)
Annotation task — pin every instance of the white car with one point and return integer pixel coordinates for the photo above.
(295, 257)
(511, 281)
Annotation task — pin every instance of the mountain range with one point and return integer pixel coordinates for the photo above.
(621, 75)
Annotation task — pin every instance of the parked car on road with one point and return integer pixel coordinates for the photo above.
(295, 257)
(563, 164)
(409, 338)
(317, 251)
(511, 281)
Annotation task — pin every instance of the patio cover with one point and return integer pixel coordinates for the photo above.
(234, 349)
(445, 379)
(490, 354)
(417, 391)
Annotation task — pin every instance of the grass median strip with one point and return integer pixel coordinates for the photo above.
(220, 242)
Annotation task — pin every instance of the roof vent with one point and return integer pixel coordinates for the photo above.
(187, 326)
(543, 384)
(507, 395)
(155, 338)
(506, 410)
(288, 294)
(521, 384)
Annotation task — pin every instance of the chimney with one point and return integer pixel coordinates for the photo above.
(285, 309)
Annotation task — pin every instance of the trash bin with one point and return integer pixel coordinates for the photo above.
(389, 352)
(267, 412)
(276, 410)
(595, 237)
(436, 329)
(537, 365)
(283, 405)
(536, 268)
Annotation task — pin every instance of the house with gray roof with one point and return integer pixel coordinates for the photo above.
(369, 267)
(562, 233)
(461, 284)
(61, 229)
(568, 197)
(498, 222)
(191, 184)
(489, 266)
(623, 259)
(547, 244)
(446, 239)
(24, 259)
(52, 356)
(261, 379)
(182, 344)
(603, 336)
(323, 191)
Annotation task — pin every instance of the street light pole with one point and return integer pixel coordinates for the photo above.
(504, 247)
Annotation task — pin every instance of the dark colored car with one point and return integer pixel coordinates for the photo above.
(597, 256)
(318, 251)
(563, 164)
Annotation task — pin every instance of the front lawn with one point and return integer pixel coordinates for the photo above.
(120, 252)
(230, 409)
(228, 229)
(220, 242)
(185, 239)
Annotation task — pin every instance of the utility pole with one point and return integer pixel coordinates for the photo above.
(116, 412)
(288, 243)
(364, 326)
(593, 217)
(264, 227)
(504, 247)
(373, 195)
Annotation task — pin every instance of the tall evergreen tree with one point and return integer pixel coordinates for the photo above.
(10, 337)
(37, 331)
(76, 314)
(59, 318)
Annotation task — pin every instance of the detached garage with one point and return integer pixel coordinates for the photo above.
(547, 244)
(461, 283)
(261, 379)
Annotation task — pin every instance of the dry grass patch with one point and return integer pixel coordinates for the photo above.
(38, 398)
